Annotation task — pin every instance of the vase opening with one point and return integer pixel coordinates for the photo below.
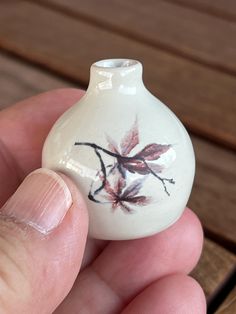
(121, 75)
(116, 63)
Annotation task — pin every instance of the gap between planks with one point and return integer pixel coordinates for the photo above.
(20, 80)
(229, 305)
(175, 29)
(214, 270)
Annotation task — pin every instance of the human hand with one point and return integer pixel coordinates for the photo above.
(43, 231)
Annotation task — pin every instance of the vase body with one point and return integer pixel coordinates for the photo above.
(129, 155)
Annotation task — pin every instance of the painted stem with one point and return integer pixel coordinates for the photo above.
(123, 158)
(160, 178)
(103, 168)
(94, 146)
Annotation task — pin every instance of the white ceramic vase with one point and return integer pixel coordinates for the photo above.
(127, 152)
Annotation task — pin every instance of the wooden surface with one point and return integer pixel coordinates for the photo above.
(213, 197)
(19, 80)
(229, 306)
(52, 43)
(215, 267)
(68, 46)
(224, 9)
(155, 27)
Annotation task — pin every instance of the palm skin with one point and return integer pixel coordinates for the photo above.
(141, 276)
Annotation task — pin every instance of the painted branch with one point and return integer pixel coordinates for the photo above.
(122, 158)
(94, 146)
(160, 178)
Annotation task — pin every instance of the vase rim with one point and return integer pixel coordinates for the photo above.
(116, 63)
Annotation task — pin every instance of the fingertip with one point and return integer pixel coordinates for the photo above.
(79, 202)
(183, 292)
(64, 97)
(184, 241)
(172, 294)
(63, 249)
(194, 237)
(64, 94)
(43, 231)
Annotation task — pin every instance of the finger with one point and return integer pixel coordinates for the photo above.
(125, 268)
(175, 294)
(43, 229)
(24, 128)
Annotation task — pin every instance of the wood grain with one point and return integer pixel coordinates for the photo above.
(181, 30)
(213, 197)
(222, 8)
(203, 98)
(214, 268)
(229, 305)
(19, 80)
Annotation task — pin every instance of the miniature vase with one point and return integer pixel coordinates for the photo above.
(129, 155)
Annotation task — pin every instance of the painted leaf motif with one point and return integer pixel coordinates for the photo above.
(113, 172)
(111, 199)
(119, 186)
(133, 189)
(136, 166)
(109, 190)
(139, 200)
(122, 169)
(130, 140)
(126, 208)
(112, 145)
(152, 151)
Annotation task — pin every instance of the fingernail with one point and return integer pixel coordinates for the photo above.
(41, 201)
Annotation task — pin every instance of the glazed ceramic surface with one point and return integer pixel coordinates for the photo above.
(127, 152)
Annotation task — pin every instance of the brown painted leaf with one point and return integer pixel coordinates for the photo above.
(130, 140)
(109, 189)
(110, 198)
(139, 200)
(115, 205)
(112, 146)
(122, 169)
(119, 186)
(136, 166)
(126, 208)
(133, 189)
(152, 151)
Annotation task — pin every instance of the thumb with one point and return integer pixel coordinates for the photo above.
(43, 229)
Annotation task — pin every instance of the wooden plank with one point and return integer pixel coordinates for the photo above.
(214, 268)
(19, 80)
(68, 46)
(222, 8)
(175, 28)
(213, 197)
(229, 305)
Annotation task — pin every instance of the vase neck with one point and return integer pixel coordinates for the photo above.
(121, 75)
